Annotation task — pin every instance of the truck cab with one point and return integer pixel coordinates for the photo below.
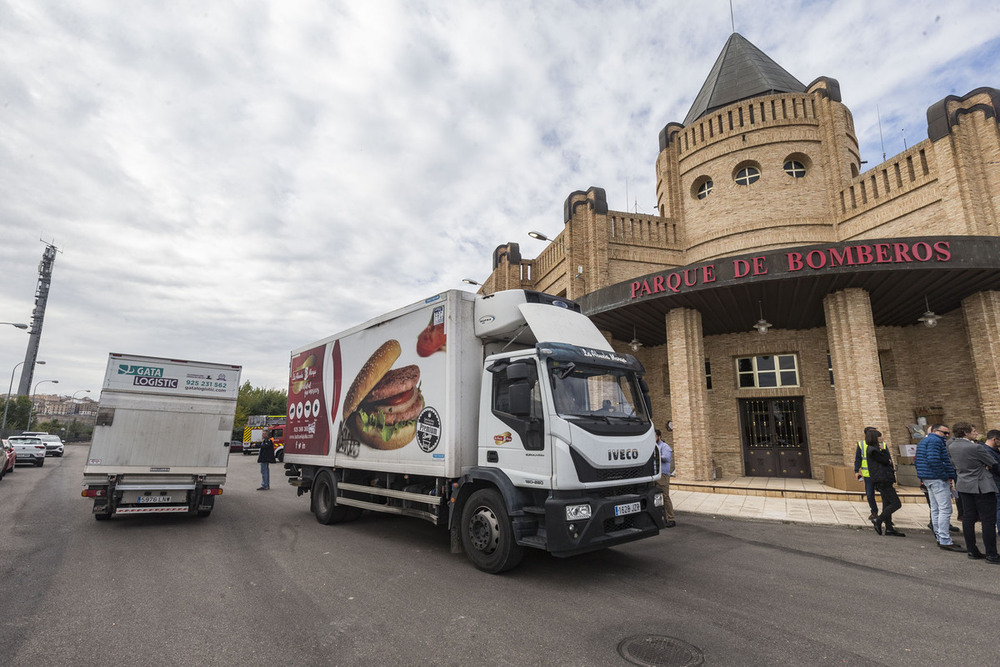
(565, 431)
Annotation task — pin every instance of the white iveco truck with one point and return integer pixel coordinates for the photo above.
(507, 418)
(161, 443)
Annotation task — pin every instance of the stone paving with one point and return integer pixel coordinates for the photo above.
(793, 501)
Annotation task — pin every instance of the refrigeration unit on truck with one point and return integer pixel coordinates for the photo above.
(160, 444)
(507, 418)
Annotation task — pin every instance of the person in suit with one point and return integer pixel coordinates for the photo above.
(974, 465)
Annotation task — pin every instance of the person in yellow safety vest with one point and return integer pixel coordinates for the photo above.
(861, 471)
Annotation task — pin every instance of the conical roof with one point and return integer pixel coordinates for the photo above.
(740, 72)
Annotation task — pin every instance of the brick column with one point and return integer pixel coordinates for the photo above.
(982, 326)
(688, 395)
(857, 377)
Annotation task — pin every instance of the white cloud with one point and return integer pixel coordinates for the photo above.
(228, 182)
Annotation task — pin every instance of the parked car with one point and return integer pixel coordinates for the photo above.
(53, 443)
(8, 458)
(235, 446)
(29, 449)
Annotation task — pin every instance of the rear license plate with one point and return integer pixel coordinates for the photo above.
(155, 499)
(627, 508)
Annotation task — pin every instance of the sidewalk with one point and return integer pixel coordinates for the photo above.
(805, 501)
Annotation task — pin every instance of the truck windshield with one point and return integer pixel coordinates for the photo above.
(596, 393)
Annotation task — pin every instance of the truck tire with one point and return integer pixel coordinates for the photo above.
(203, 513)
(487, 533)
(102, 517)
(324, 501)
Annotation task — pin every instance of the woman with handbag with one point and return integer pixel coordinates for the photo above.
(883, 477)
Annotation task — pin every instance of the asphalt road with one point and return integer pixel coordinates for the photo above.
(260, 582)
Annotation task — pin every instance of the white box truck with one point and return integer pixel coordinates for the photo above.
(507, 418)
(161, 442)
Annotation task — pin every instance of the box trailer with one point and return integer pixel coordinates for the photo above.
(507, 418)
(161, 441)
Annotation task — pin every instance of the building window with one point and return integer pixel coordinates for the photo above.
(781, 370)
(795, 169)
(747, 175)
(829, 367)
(708, 375)
(702, 187)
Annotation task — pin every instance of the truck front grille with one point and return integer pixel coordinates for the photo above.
(588, 473)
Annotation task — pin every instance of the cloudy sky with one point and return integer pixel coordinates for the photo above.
(228, 180)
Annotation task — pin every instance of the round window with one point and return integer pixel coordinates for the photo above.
(795, 169)
(702, 187)
(747, 175)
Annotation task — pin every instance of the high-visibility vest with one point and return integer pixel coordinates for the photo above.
(863, 446)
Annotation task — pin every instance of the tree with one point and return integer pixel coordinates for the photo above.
(257, 401)
(17, 414)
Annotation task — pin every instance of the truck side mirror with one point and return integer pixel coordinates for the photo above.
(520, 399)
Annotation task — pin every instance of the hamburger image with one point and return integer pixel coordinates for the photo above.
(381, 407)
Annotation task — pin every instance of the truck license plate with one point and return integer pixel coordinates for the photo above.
(627, 508)
(158, 499)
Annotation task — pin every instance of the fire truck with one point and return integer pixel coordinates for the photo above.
(258, 428)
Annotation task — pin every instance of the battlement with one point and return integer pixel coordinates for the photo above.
(735, 119)
(895, 177)
(638, 229)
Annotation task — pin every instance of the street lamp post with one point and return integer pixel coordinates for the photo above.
(6, 403)
(19, 325)
(76, 411)
(32, 408)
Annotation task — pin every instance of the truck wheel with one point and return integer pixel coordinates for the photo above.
(203, 513)
(102, 517)
(324, 501)
(487, 534)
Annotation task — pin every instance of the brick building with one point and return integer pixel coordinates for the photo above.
(782, 299)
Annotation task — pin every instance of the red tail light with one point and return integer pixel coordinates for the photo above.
(211, 492)
(94, 493)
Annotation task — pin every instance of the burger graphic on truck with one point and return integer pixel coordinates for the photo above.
(382, 404)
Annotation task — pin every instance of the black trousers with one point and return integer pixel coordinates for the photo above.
(870, 492)
(890, 502)
(980, 507)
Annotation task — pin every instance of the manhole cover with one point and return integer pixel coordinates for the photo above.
(660, 651)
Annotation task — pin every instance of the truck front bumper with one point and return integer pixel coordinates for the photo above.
(612, 520)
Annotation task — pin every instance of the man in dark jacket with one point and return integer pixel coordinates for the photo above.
(861, 471)
(973, 465)
(265, 458)
(935, 470)
(993, 445)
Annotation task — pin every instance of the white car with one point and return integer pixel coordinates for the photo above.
(53, 443)
(29, 449)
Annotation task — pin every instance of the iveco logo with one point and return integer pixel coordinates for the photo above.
(623, 454)
(486, 319)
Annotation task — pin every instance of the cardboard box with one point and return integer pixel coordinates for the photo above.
(842, 477)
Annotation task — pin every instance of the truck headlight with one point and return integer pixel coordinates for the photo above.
(575, 512)
(658, 500)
